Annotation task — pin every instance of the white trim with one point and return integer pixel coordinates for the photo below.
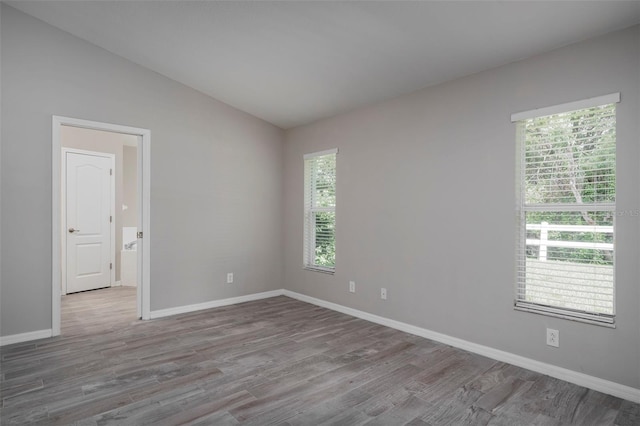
(215, 304)
(63, 213)
(25, 337)
(117, 284)
(580, 379)
(593, 319)
(322, 269)
(56, 265)
(144, 201)
(144, 220)
(569, 106)
(321, 153)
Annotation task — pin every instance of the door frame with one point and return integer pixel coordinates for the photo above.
(144, 212)
(63, 212)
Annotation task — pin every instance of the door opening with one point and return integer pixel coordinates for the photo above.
(92, 248)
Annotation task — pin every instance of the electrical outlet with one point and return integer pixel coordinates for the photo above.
(352, 286)
(553, 337)
(383, 293)
(230, 278)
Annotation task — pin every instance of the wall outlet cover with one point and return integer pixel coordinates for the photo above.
(553, 337)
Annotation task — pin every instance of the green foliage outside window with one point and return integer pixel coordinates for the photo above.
(570, 159)
(320, 175)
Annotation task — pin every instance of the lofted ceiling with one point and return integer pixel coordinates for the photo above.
(291, 63)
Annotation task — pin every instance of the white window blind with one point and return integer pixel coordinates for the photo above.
(320, 210)
(566, 210)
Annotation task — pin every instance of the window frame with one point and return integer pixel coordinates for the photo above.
(607, 320)
(309, 231)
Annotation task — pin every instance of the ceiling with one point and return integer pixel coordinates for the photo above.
(291, 63)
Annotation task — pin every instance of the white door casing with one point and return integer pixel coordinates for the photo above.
(88, 227)
(144, 212)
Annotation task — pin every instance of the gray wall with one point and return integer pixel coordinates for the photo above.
(129, 185)
(216, 173)
(426, 201)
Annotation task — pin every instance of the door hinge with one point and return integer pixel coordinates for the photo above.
(111, 266)
(110, 172)
(110, 219)
(139, 234)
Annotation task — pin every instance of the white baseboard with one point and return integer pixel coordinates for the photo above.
(214, 304)
(25, 337)
(117, 284)
(580, 379)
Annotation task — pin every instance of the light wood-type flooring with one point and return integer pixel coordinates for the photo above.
(274, 361)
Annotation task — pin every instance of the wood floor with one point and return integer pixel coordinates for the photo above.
(275, 361)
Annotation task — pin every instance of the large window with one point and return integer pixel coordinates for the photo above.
(320, 211)
(566, 209)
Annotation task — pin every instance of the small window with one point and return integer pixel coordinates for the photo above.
(566, 210)
(320, 211)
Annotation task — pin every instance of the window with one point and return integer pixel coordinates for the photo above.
(320, 211)
(566, 210)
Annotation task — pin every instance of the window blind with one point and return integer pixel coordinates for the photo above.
(566, 213)
(319, 210)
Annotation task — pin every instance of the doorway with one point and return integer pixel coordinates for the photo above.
(102, 254)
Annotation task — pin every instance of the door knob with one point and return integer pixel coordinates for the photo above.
(71, 230)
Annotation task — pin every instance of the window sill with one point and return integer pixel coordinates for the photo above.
(559, 313)
(319, 269)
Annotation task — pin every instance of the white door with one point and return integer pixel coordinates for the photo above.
(88, 221)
